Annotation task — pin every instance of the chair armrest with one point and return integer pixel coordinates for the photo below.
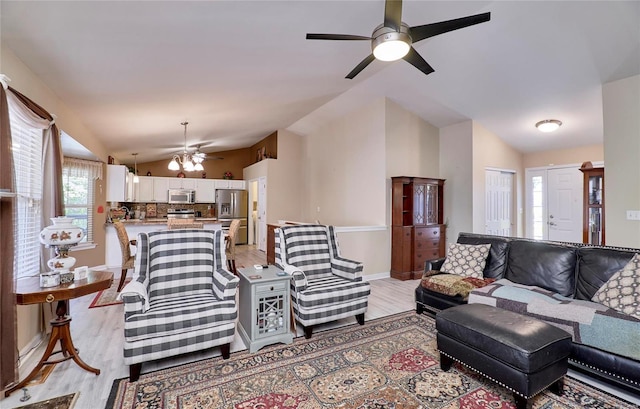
(133, 242)
(345, 268)
(225, 284)
(434, 264)
(135, 298)
(298, 277)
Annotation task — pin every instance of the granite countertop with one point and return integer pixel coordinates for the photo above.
(163, 220)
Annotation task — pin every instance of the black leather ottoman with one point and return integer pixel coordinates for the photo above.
(521, 353)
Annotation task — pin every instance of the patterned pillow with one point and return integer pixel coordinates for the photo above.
(622, 291)
(466, 260)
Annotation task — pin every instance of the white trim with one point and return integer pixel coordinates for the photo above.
(376, 276)
(356, 229)
(597, 164)
(500, 169)
(25, 353)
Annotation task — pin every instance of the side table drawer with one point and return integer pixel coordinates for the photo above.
(268, 287)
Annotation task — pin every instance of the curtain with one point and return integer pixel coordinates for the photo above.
(8, 343)
(52, 194)
(80, 168)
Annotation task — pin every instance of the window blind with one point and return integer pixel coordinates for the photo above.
(78, 178)
(26, 148)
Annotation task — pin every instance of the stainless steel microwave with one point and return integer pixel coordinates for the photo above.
(181, 196)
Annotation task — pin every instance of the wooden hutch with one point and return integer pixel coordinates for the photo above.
(417, 229)
(593, 205)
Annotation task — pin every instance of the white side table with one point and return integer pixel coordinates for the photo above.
(264, 307)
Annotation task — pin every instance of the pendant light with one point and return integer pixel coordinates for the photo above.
(136, 179)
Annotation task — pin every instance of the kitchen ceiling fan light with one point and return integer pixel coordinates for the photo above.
(548, 125)
(174, 165)
(188, 166)
(198, 166)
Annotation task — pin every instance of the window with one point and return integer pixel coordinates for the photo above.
(27, 157)
(78, 179)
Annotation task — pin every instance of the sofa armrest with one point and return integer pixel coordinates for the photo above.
(345, 268)
(225, 284)
(434, 264)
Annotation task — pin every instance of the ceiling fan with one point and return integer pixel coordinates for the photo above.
(393, 39)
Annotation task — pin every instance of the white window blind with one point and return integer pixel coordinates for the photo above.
(78, 177)
(26, 145)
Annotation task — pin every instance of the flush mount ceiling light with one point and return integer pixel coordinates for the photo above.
(548, 125)
(390, 45)
(188, 161)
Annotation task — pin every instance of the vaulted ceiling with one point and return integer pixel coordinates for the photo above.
(238, 70)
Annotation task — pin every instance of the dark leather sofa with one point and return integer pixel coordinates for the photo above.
(571, 270)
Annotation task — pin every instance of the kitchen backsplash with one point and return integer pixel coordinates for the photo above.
(206, 210)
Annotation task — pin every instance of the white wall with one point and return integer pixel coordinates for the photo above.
(489, 151)
(593, 153)
(621, 105)
(345, 164)
(456, 166)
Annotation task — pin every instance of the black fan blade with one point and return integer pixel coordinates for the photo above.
(417, 61)
(393, 14)
(360, 66)
(429, 30)
(335, 37)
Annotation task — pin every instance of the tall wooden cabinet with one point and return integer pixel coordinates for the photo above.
(593, 205)
(417, 229)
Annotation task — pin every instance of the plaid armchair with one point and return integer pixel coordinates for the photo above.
(181, 298)
(324, 286)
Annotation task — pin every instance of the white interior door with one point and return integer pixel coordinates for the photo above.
(262, 214)
(498, 202)
(564, 200)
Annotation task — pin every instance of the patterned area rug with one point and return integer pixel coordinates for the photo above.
(108, 296)
(60, 402)
(390, 363)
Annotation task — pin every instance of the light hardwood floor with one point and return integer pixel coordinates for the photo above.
(98, 335)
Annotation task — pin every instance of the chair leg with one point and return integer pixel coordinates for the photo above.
(233, 267)
(360, 318)
(134, 372)
(308, 330)
(123, 278)
(226, 350)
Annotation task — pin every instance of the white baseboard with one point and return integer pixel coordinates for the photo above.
(30, 348)
(376, 276)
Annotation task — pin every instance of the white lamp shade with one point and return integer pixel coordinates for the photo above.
(62, 232)
(391, 50)
(198, 167)
(173, 165)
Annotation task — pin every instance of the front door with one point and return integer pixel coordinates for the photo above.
(564, 193)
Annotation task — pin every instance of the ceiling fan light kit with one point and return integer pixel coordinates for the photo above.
(190, 162)
(390, 45)
(548, 125)
(393, 39)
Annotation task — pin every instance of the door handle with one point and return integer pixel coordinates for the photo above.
(551, 216)
(552, 224)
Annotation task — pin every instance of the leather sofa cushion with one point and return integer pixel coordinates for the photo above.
(497, 259)
(596, 265)
(547, 265)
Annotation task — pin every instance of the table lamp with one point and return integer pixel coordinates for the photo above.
(60, 236)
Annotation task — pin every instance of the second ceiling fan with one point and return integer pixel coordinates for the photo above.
(393, 39)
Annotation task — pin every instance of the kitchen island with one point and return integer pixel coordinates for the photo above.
(113, 254)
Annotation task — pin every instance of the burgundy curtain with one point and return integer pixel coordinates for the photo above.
(8, 342)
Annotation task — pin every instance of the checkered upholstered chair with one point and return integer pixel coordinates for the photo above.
(324, 286)
(181, 299)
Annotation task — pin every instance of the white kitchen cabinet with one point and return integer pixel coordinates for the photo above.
(181, 183)
(189, 183)
(143, 190)
(117, 187)
(205, 190)
(160, 189)
(237, 184)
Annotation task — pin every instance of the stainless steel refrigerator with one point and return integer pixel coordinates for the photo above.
(233, 204)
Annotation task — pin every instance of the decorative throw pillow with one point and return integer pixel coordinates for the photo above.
(622, 291)
(466, 260)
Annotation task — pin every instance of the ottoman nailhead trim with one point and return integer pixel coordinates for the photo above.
(496, 381)
(606, 372)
